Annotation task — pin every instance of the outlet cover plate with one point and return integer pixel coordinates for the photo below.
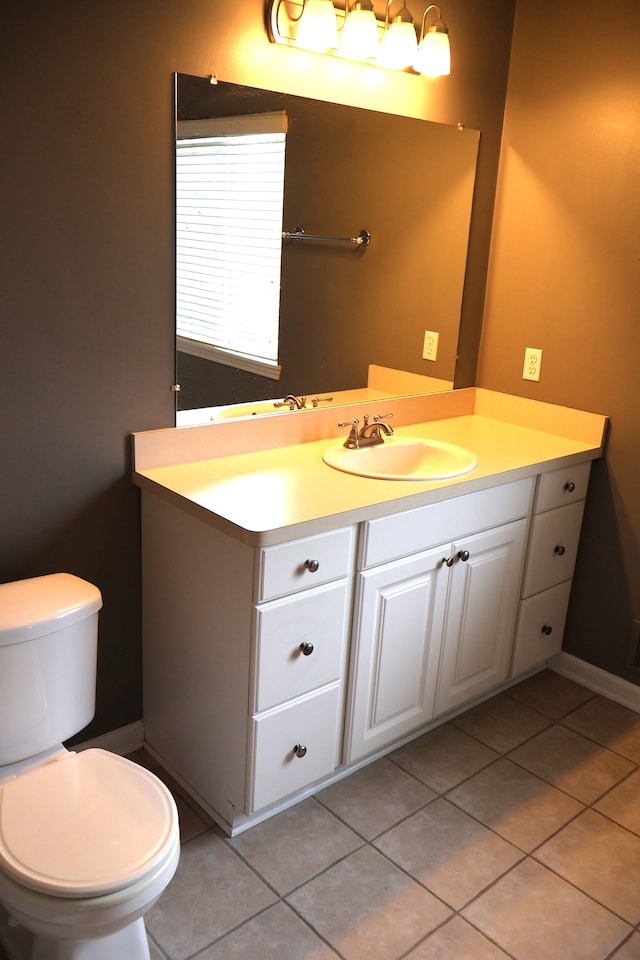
(532, 363)
(430, 347)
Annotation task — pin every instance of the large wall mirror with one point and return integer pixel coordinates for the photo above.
(343, 306)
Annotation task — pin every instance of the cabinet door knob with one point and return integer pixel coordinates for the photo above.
(559, 550)
(448, 561)
(569, 486)
(463, 555)
(312, 565)
(306, 649)
(547, 630)
(299, 750)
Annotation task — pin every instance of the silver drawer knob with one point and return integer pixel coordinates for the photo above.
(299, 750)
(306, 649)
(547, 629)
(559, 550)
(569, 486)
(460, 555)
(312, 565)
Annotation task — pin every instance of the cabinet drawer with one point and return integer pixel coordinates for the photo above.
(299, 644)
(300, 564)
(560, 487)
(314, 724)
(540, 628)
(553, 546)
(401, 534)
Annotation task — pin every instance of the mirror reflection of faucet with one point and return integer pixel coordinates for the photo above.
(369, 433)
(294, 403)
(300, 403)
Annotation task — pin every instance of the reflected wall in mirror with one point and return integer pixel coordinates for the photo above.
(409, 183)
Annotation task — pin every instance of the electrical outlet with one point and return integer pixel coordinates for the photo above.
(532, 363)
(430, 348)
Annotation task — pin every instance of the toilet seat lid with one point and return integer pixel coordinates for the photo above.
(86, 825)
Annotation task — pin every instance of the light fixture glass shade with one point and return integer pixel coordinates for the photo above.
(318, 29)
(434, 55)
(359, 39)
(399, 46)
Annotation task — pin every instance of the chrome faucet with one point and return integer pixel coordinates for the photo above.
(294, 403)
(369, 434)
(373, 432)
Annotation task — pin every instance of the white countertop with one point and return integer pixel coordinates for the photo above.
(278, 493)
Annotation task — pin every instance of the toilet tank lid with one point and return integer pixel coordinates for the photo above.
(40, 605)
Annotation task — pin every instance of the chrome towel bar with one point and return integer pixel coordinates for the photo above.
(362, 240)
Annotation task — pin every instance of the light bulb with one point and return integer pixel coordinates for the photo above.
(399, 46)
(318, 29)
(434, 55)
(359, 39)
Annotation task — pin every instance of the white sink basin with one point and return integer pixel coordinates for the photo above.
(250, 410)
(402, 458)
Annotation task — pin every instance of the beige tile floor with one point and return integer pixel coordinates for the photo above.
(512, 831)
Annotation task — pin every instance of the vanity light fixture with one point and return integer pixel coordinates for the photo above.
(355, 33)
(434, 51)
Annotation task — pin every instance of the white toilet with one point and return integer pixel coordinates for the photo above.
(89, 840)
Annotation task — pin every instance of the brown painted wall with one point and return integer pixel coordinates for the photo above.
(565, 276)
(86, 271)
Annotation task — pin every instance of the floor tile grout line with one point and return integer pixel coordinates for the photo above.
(585, 893)
(614, 952)
(553, 718)
(457, 911)
(459, 783)
(403, 818)
(231, 930)
(313, 930)
(598, 743)
(556, 786)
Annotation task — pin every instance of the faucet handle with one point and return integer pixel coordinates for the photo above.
(382, 416)
(353, 441)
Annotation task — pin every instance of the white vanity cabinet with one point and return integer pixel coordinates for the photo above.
(434, 629)
(551, 556)
(299, 621)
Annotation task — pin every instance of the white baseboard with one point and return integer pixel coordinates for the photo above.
(124, 740)
(600, 681)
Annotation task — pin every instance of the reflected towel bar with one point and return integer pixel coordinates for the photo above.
(362, 240)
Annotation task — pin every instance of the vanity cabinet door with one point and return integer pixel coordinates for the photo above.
(481, 614)
(399, 614)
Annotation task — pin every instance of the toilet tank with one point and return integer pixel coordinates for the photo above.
(48, 652)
